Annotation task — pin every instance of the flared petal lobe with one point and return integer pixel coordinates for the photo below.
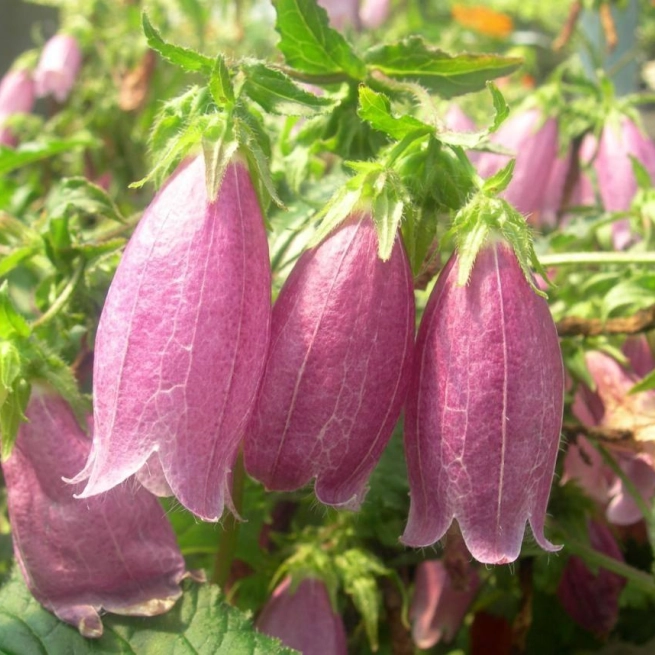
(116, 553)
(304, 619)
(337, 370)
(182, 341)
(484, 410)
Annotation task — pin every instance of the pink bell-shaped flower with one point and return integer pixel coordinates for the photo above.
(592, 600)
(304, 619)
(438, 606)
(338, 367)
(342, 13)
(533, 139)
(484, 410)
(116, 553)
(58, 67)
(374, 13)
(16, 97)
(181, 343)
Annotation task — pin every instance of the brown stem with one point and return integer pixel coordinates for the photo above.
(609, 28)
(569, 26)
(574, 326)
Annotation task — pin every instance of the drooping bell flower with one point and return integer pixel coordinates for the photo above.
(547, 215)
(338, 367)
(304, 619)
(438, 606)
(617, 184)
(533, 139)
(16, 97)
(58, 67)
(484, 410)
(115, 553)
(374, 13)
(182, 341)
(592, 600)
(640, 355)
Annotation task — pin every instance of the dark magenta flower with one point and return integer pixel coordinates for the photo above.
(16, 97)
(181, 343)
(592, 599)
(58, 67)
(116, 552)
(337, 369)
(304, 619)
(484, 410)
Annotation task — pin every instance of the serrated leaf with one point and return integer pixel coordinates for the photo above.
(446, 75)
(9, 367)
(277, 93)
(201, 623)
(500, 180)
(185, 58)
(309, 44)
(375, 108)
(254, 144)
(33, 151)
(12, 414)
(78, 193)
(220, 82)
(11, 321)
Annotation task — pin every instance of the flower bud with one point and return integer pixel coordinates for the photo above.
(58, 67)
(116, 553)
(438, 606)
(337, 369)
(16, 97)
(182, 341)
(592, 600)
(534, 142)
(304, 619)
(484, 410)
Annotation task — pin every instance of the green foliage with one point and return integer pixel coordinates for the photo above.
(201, 623)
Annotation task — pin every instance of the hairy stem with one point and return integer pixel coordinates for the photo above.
(227, 545)
(63, 297)
(599, 258)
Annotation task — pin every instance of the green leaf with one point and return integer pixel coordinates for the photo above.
(446, 75)
(185, 58)
(218, 154)
(309, 44)
(375, 108)
(277, 93)
(254, 144)
(358, 570)
(388, 208)
(28, 153)
(201, 623)
(78, 193)
(220, 82)
(644, 385)
(499, 181)
(10, 367)
(11, 321)
(642, 176)
(500, 106)
(12, 414)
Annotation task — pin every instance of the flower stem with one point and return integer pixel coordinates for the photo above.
(227, 545)
(601, 258)
(63, 297)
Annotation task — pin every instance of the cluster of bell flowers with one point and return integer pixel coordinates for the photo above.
(546, 181)
(55, 75)
(314, 387)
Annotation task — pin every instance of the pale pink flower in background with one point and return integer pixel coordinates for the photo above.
(58, 67)
(16, 97)
(439, 606)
